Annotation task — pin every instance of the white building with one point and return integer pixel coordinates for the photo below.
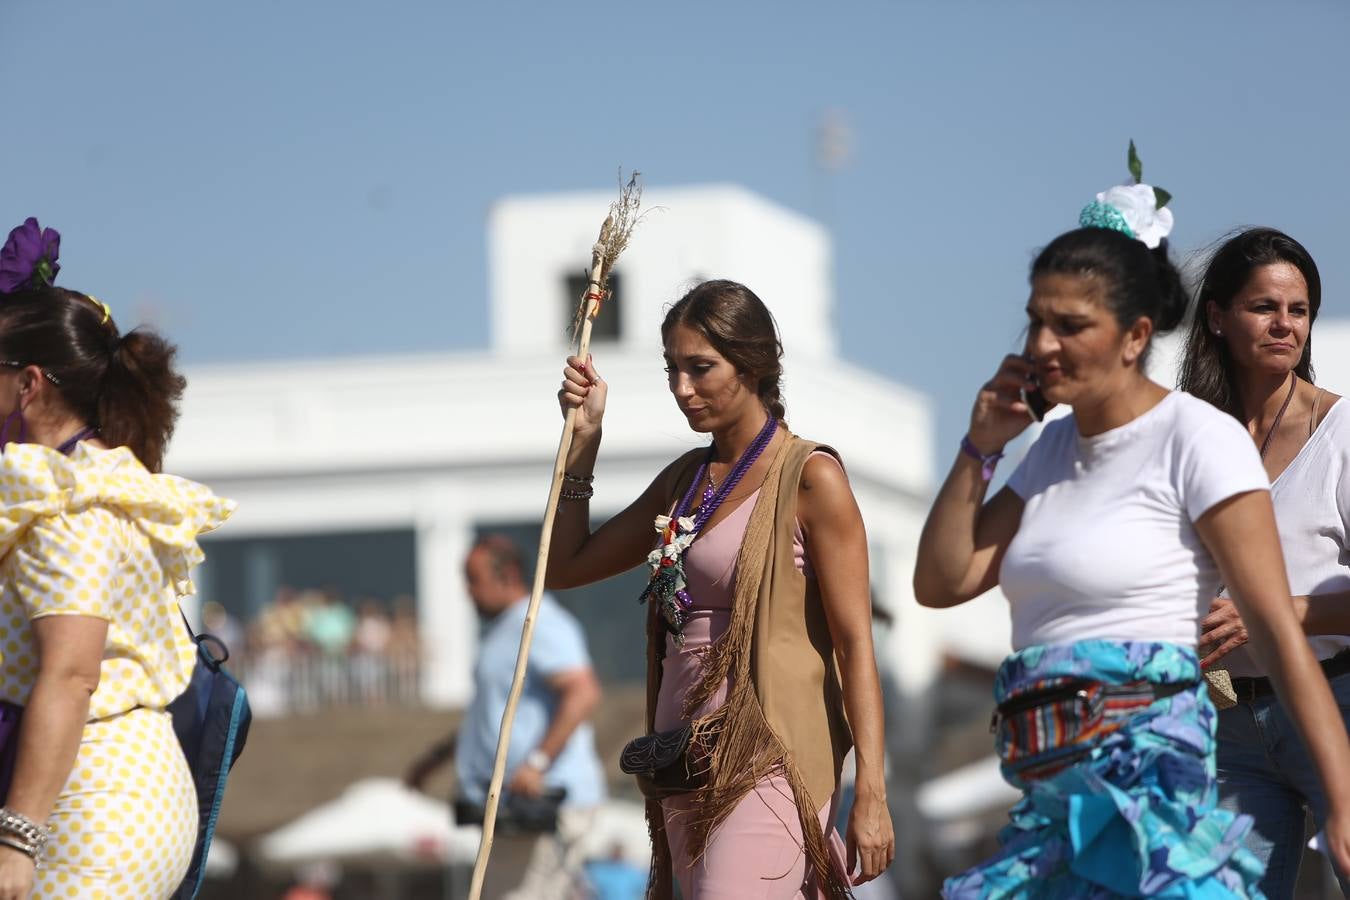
(465, 441)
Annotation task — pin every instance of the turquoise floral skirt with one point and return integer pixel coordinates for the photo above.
(1137, 816)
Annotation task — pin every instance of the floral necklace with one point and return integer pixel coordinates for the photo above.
(667, 584)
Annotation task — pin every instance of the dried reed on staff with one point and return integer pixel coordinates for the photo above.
(614, 233)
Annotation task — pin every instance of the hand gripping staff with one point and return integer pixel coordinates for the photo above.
(614, 234)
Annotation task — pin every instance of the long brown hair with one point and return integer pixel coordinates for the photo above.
(1207, 369)
(741, 328)
(125, 385)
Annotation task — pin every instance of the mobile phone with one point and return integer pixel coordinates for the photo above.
(1035, 402)
(1033, 398)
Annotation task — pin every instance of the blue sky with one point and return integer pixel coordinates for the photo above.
(297, 178)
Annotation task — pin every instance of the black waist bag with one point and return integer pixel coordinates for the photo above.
(667, 763)
(211, 719)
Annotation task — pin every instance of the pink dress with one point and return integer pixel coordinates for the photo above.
(757, 851)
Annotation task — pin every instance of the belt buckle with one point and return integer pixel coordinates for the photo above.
(1245, 690)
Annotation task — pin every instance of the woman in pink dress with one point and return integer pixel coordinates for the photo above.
(759, 626)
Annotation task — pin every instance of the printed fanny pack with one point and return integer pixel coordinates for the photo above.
(1048, 725)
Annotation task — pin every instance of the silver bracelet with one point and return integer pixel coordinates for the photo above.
(28, 850)
(577, 479)
(33, 836)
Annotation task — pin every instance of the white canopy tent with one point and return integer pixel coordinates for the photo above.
(374, 820)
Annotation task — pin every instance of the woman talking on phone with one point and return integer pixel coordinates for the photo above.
(1109, 541)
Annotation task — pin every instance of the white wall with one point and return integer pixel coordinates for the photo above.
(689, 234)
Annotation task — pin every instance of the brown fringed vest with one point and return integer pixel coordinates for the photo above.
(784, 712)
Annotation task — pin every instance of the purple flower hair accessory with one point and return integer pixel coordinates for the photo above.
(29, 257)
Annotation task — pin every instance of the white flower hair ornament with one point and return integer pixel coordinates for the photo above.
(1137, 210)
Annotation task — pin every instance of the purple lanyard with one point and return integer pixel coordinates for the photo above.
(69, 446)
(710, 504)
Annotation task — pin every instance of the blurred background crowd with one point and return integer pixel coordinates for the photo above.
(312, 647)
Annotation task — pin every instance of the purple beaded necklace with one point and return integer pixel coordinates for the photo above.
(667, 584)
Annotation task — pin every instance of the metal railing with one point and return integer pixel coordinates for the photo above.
(281, 682)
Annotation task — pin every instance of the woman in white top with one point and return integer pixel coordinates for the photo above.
(1248, 353)
(1109, 541)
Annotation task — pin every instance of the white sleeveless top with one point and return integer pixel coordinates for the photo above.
(1312, 511)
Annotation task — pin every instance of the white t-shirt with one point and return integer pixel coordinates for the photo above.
(1312, 510)
(1106, 548)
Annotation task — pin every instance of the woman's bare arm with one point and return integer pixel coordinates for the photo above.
(1222, 631)
(962, 544)
(832, 523)
(577, 556)
(964, 538)
(1240, 534)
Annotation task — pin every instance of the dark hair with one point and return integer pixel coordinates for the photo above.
(1138, 282)
(741, 328)
(503, 556)
(1207, 368)
(124, 385)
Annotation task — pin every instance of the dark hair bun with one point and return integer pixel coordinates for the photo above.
(138, 406)
(1173, 300)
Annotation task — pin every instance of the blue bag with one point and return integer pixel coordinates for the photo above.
(211, 719)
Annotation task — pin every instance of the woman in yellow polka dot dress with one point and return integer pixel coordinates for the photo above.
(95, 549)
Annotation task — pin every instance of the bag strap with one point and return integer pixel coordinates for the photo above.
(1312, 420)
(186, 624)
(213, 659)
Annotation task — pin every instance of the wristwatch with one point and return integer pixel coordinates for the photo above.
(538, 760)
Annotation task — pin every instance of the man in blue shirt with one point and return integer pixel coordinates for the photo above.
(552, 743)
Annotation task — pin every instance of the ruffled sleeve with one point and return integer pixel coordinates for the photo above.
(95, 534)
(64, 508)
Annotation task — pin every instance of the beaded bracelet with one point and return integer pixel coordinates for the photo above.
(987, 462)
(567, 494)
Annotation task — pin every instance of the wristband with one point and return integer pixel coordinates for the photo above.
(987, 463)
(538, 760)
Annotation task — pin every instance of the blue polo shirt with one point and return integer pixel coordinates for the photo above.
(559, 646)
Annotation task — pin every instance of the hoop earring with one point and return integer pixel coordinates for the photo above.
(4, 429)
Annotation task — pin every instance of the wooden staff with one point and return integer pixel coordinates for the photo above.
(613, 238)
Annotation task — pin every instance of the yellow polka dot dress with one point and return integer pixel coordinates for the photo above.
(95, 534)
